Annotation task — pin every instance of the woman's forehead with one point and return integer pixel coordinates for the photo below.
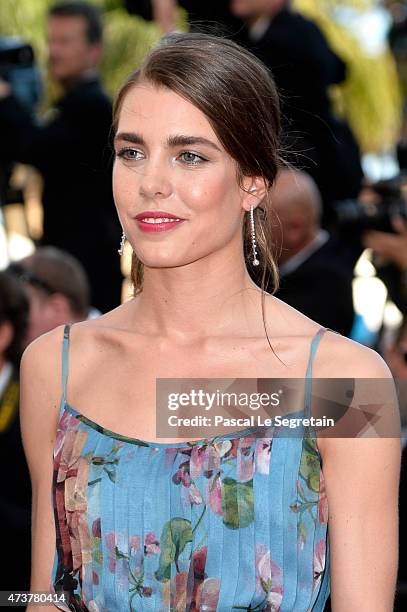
(159, 109)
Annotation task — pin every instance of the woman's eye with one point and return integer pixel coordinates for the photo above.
(191, 158)
(129, 154)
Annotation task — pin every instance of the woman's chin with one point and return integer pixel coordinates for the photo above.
(163, 263)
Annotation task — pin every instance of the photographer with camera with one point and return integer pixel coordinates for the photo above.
(70, 149)
(392, 247)
(384, 230)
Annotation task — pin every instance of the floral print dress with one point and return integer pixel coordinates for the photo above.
(236, 522)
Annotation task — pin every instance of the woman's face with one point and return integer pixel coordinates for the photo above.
(171, 165)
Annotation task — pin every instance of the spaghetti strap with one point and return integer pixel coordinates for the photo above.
(308, 375)
(65, 353)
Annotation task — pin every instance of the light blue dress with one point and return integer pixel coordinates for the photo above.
(236, 522)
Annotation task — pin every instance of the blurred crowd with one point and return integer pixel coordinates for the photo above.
(326, 209)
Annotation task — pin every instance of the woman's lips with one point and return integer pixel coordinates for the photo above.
(158, 224)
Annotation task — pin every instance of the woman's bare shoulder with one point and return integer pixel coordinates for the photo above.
(108, 331)
(337, 356)
(40, 353)
(82, 334)
(341, 357)
(43, 355)
(40, 384)
(41, 372)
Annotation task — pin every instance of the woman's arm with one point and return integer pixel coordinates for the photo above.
(362, 481)
(361, 477)
(40, 390)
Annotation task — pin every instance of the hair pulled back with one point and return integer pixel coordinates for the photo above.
(237, 94)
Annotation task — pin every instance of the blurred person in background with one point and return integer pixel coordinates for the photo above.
(371, 98)
(391, 246)
(37, 294)
(316, 269)
(164, 12)
(396, 353)
(70, 149)
(15, 499)
(57, 287)
(304, 67)
(390, 259)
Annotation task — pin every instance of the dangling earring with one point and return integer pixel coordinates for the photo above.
(255, 261)
(122, 243)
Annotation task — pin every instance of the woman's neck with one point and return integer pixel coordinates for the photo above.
(198, 299)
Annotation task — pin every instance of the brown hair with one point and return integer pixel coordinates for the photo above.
(59, 272)
(237, 94)
(14, 308)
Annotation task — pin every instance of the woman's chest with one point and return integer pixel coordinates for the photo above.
(134, 395)
(207, 523)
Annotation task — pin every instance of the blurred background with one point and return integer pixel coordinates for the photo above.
(370, 36)
(341, 229)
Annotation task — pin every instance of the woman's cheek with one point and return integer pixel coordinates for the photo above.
(202, 192)
(123, 187)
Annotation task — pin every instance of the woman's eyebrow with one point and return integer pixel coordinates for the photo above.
(173, 141)
(130, 137)
(183, 141)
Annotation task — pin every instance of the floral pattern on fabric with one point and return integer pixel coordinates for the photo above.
(144, 527)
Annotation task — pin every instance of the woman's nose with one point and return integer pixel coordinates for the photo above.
(155, 182)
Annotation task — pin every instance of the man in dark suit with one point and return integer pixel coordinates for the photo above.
(304, 67)
(316, 268)
(70, 149)
(215, 13)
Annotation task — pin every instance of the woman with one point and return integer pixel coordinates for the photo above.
(220, 524)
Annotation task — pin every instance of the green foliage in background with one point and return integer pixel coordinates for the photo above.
(127, 38)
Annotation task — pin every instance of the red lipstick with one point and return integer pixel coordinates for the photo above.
(157, 221)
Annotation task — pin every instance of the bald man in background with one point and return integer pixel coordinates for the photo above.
(316, 267)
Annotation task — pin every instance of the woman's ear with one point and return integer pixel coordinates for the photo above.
(254, 190)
